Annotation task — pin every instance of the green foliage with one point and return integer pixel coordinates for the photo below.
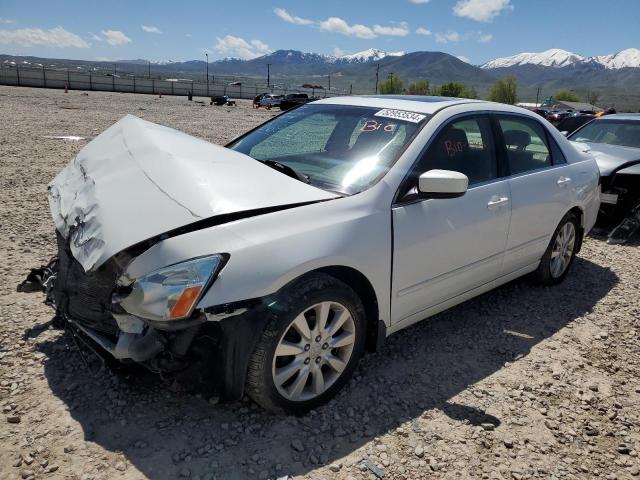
(593, 97)
(456, 89)
(419, 87)
(392, 86)
(566, 96)
(504, 90)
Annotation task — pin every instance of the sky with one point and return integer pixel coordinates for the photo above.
(474, 30)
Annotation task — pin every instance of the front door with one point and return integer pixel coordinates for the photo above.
(443, 248)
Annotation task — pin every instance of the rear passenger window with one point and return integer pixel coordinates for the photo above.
(526, 144)
(464, 146)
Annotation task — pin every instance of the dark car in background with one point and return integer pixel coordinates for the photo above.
(573, 122)
(556, 116)
(294, 100)
(614, 141)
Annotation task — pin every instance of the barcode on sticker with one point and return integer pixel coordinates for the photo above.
(401, 115)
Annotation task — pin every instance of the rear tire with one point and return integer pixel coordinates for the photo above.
(310, 347)
(558, 258)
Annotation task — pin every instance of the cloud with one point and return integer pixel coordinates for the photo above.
(423, 31)
(338, 25)
(338, 52)
(56, 37)
(453, 37)
(287, 17)
(419, 2)
(401, 30)
(239, 47)
(450, 36)
(463, 58)
(6, 20)
(188, 35)
(115, 38)
(480, 10)
(150, 29)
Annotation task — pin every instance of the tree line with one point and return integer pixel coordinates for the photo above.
(503, 90)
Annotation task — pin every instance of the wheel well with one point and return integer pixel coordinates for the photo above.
(577, 211)
(367, 294)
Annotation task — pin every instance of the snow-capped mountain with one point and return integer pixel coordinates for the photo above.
(557, 58)
(371, 54)
(629, 58)
(554, 57)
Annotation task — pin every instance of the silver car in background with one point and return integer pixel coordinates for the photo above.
(614, 141)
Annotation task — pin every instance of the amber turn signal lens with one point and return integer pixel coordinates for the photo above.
(185, 302)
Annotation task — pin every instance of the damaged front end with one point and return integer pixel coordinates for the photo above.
(89, 306)
(132, 187)
(620, 203)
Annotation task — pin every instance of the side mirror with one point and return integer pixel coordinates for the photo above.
(442, 184)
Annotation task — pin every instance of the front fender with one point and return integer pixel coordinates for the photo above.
(268, 251)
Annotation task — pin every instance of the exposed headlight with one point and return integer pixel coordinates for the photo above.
(171, 293)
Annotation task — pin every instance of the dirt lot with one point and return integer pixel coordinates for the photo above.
(523, 382)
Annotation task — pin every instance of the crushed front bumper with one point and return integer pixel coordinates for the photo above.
(219, 339)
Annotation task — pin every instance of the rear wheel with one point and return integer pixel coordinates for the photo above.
(309, 348)
(558, 257)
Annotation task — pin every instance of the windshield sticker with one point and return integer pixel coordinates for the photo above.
(401, 115)
(374, 125)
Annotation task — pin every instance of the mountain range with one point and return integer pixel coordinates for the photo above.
(616, 76)
(555, 57)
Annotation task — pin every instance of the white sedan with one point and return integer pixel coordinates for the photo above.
(281, 258)
(271, 100)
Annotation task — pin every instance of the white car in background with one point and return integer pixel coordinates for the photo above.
(271, 100)
(310, 238)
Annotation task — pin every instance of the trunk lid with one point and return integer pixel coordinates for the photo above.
(138, 180)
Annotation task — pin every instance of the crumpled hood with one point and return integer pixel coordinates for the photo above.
(138, 180)
(610, 157)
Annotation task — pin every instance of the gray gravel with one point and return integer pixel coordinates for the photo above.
(523, 382)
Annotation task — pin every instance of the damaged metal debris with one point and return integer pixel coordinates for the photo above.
(614, 141)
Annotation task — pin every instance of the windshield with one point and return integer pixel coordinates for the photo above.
(344, 149)
(625, 133)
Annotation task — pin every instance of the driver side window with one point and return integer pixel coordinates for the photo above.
(465, 146)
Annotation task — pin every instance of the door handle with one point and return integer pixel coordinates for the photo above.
(562, 181)
(497, 201)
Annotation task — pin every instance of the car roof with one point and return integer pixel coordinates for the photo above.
(424, 104)
(621, 116)
(415, 103)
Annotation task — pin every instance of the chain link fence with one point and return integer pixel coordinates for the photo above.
(234, 87)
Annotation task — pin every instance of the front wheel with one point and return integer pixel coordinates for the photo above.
(309, 348)
(558, 257)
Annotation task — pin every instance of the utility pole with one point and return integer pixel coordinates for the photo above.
(377, 71)
(268, 75)
(115, 67)
(329, 83)
(537, 97)
(207, 55)
(149, 69)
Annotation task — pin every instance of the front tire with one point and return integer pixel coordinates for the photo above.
(310, 347)
(558, 258)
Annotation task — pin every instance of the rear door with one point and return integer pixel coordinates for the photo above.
(443, 248)
(540, 184)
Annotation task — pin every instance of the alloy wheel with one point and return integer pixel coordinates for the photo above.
(313, 351)
(563, 249)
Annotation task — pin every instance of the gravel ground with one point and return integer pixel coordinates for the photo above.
(522, 382)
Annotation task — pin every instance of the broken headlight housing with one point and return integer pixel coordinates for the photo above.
(171, 293)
